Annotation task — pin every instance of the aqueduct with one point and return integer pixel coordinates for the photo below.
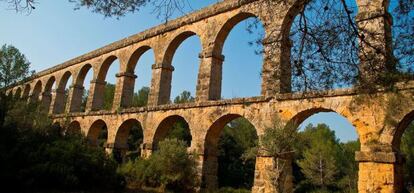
(380, 118)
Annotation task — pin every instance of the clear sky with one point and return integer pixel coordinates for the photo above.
(54, 33)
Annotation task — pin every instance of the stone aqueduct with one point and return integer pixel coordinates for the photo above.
(379, 119)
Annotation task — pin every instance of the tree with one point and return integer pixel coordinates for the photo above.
(14, 66)
(349, 167)
(184, 97)
(141, 98)
(326, 40)
(326, 164)
(113, 8)
(319, 166)
(170, 168)
(34, 156)
(234, 168)
(407, 148)
(109, 94)
(180, 131)
(278, 143)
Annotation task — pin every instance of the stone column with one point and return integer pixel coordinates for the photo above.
(46, 99)
(375, 41)
(209, 171)
(146, 150)
(276, 71)
(95, 98)
(209, 77)
(380, 171)
(31, 98)
(118, 150)
(160, 84)
(58, 101)
(124, 91)
(266, 173)
(74, 98)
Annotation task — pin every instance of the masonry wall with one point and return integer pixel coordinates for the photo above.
(378, 124)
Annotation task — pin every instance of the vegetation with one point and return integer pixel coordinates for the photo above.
(109, 94)
(36, 156)
(327, 164)
(407, 148)
(141, 98)
(13, 66)
(169, 168)
(235, 169)
(184, 97)
(325, 52)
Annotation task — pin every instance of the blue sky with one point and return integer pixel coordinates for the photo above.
(54, 33)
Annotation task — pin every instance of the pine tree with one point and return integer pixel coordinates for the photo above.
(319, 166)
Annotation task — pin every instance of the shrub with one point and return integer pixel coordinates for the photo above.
(232, 190)
(169, 168)
(35, 156)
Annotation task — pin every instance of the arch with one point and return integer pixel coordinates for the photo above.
(49, 84)
(73, 128)
(103, 70)
(133, 60)
(60, 95)
(80, 79)
(78, 102)
(94, 131)
(17, 94)
(128, 140)
(402, 144)
(225, 30)
(9, 93)
(319, 123)
(26, 91)
(135, 92)
(213, 133)
(36, 91)
(174, 44)
(303, 115)
(47, 92)
(401, 127)
(187, 68)
(323, 61)
(63, 81)
(100, 100)
(165, 126)
(121, 137)
(211, 162)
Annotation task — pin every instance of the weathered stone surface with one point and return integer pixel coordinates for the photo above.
(379, 118)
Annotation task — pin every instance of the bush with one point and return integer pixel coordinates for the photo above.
(170, 168)
(35, 156)
(232, 190)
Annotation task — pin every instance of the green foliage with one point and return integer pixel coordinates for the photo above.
(279, 140)
(27, 115)
(181, 131)
(232, 190)
(184, 97)
(141, 98)
(407, 148)
(109, 94)
(319, 165)
(35, 156)
(326, 165)
(13, 66)
(234, 170)
(169, 168)
(85, 96)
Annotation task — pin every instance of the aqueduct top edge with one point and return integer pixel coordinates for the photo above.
(192, 17)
